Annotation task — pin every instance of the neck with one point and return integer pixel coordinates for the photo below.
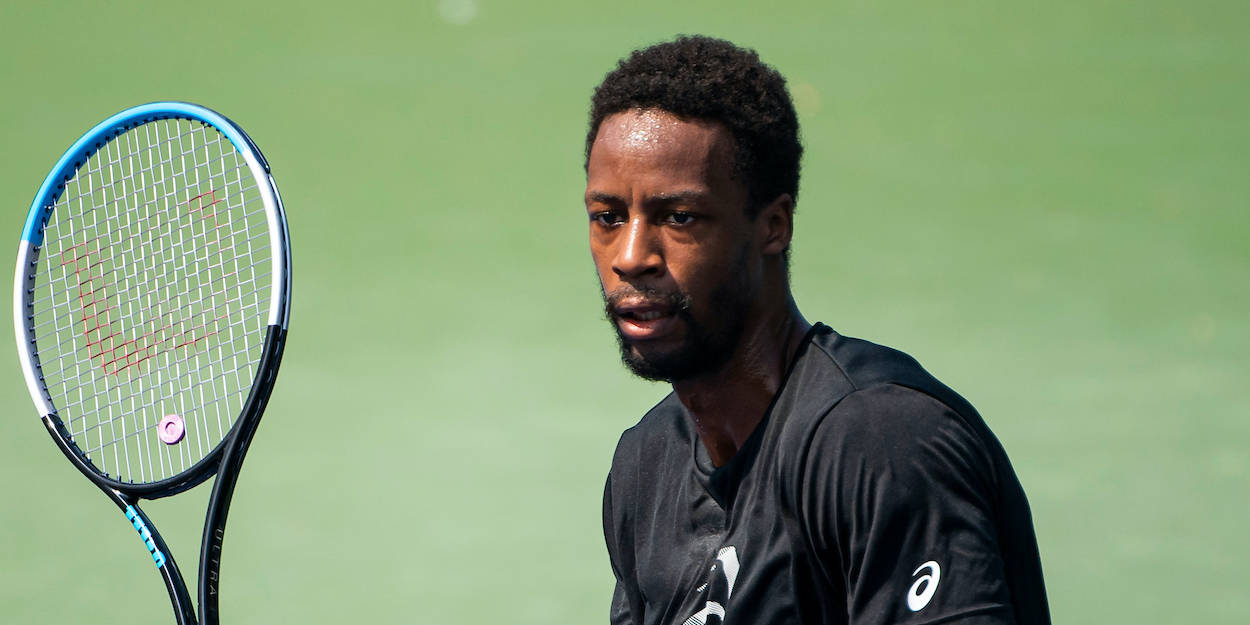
(729, 403)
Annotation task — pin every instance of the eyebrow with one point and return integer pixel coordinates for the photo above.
(660, 199)
(677, 197)
(604, 198)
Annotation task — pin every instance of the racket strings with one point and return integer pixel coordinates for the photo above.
(95, 292)
(41, 329)
(184, 363)
(151, 296)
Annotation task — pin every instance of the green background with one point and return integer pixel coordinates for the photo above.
(1045, 203)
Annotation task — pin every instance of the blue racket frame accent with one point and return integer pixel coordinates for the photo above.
(94, 139)
(140, 526)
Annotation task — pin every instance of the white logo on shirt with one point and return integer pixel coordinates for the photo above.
(922, 589)
(728, 559)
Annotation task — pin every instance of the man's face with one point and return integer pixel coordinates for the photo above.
(671, 241)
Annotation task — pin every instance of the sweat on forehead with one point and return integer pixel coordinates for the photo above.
(644, 127)
(665, 142)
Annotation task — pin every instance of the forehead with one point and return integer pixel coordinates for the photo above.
(651, 143)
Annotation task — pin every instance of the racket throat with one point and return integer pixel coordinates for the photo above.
(179, 598)
(145, 534)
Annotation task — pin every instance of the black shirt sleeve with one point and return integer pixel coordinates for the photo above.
(621, 613)
(897, 501)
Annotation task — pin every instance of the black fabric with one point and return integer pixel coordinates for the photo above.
(869, 493)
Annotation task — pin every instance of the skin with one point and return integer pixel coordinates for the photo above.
(666, 213)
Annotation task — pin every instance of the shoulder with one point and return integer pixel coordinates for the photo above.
(659, 441)
(887, 421)
(830, 366)
(864, 364)
(874, 411)
(890, 415)
(855, 388)
(661, 423)
(890, 452)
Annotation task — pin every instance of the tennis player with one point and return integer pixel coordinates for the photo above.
(794, 475)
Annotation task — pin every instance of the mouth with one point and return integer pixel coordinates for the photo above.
(644, 320)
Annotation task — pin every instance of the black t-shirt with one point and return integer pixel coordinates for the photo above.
(870, 493)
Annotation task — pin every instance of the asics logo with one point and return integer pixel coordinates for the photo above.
(921, 591)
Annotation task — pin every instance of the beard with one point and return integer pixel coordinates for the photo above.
(708, 343)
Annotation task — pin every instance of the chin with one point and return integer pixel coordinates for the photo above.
(662, 365)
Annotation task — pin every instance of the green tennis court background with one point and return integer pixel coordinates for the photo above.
(1045, 203)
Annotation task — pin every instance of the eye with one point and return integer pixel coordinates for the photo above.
(680, 218)
(606, 218)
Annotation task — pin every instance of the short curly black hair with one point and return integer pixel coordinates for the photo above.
(712, 79)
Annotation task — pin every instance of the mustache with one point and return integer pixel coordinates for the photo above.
(674, 300)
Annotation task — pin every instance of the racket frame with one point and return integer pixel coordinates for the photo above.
(226, 458)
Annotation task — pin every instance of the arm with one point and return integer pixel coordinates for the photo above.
(898, 498)
(620, 611)
(620, 607)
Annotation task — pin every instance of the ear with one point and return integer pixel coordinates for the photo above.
(775, 225)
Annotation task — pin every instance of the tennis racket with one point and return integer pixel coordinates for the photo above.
(150, 304)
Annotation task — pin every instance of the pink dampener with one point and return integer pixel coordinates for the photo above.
(171, 429)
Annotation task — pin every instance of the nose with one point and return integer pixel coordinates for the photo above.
(639, 253)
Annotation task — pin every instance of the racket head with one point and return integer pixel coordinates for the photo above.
(153, 267)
